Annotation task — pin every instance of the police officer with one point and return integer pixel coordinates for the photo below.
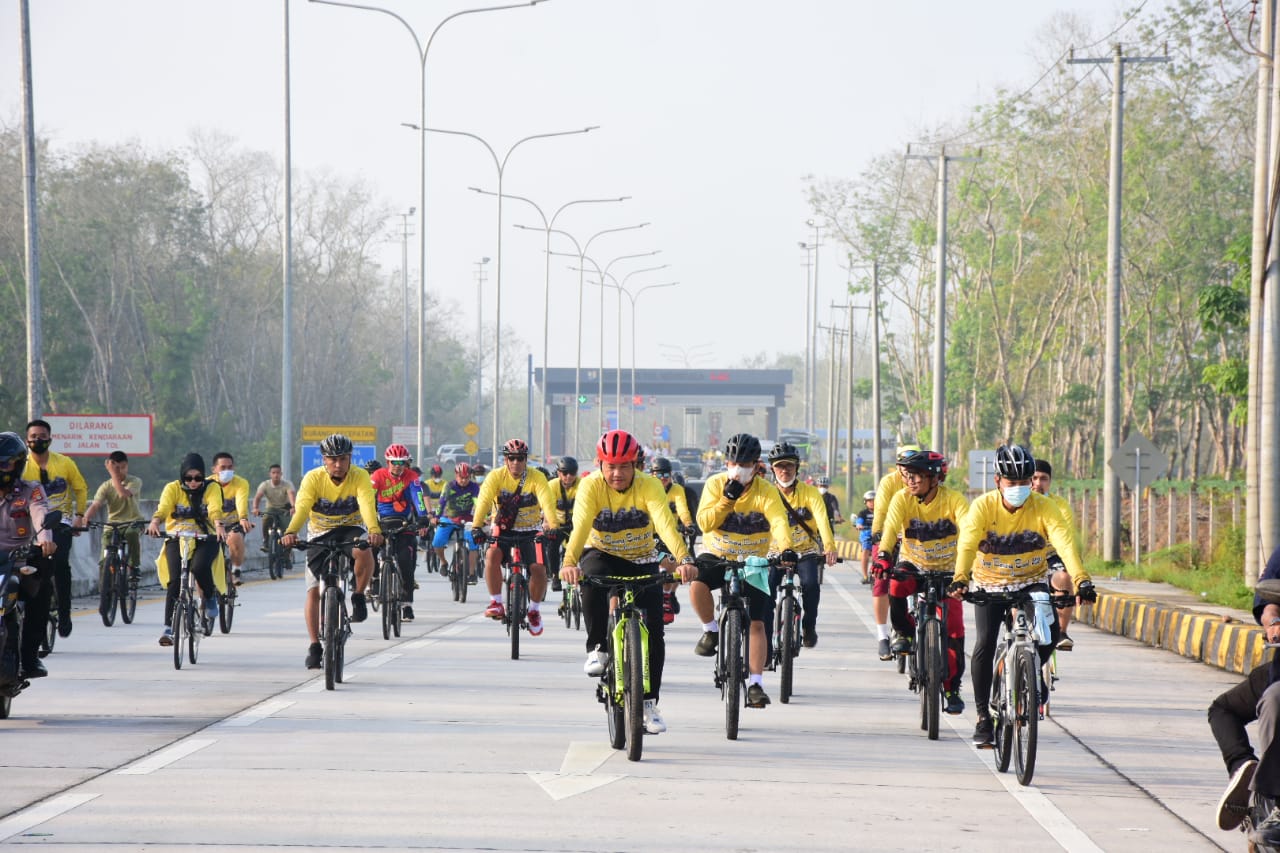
(23, 507)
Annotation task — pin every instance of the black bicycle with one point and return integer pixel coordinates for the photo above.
(117, 580)
(390, 592)
(927, 665)
(787, 630)
(516, 586)
(625, 680)
(227, 600)
(734, 648)
(457, 569)
(189, 616)
(335, 622)
(278, 559)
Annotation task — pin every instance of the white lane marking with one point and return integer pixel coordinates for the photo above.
(377, 660)
(585, 756)
(20, 822)
(421, 644)
(256, 713)
(165, 757)
(577, 771)
(1072, 838)
(454, 631)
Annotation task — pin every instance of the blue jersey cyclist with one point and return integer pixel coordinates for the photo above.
(399, 497)
(457, 503)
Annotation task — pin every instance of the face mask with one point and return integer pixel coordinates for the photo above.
(39, 445)
(822, 490)
(1016, 496)
(786, 484)
(225, 476)
(741, 474)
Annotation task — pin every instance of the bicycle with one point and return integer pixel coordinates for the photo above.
(734, 648)
(335, 622)
(787, 634)
(117, 581)
(227, 600)
(188, 615)
(571, 607)
(456, 568)
(927, 663)
(625, 681)
(277, 555)
(1015, 687)
(389, 588)
(51, 626)
(515, 585)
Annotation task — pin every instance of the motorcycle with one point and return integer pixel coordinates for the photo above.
(14, 570)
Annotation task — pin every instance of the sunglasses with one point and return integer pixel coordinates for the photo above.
(192, 478)
(520, 458)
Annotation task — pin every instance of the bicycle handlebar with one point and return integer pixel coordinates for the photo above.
(328, 545)
(639, 582)
(1016, 597)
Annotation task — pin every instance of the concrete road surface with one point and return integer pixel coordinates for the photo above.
(441, 741)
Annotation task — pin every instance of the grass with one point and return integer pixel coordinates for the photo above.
(1218, 580)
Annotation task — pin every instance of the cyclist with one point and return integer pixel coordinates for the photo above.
(235, 509)
(924, 519)
(739, 514)
(678, 503)
(890, 484)
(617, 515)
(1061, 581)
(190, 504)
(119, 494)
(862, 521)
(457, 502)
(279, 494)
(433, 486)
(399, 494)
(811, 537)
(1004, 542)
(563, 491)
(520, 501)
(65, 490)
(478, 472)
(834, 515)
(22, 513)
(335, 501)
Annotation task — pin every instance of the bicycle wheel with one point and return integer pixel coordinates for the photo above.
(107, 592)
(633, 687)
(463, 558)
(931, 678)
(1026, 715)
(227, 607)
(1000, 711)
(51, 626)
(731, 660)
(127, 593)
(566, 605)
(329, 616)
(386, 597)
(1048, 681)
(396, 604)
(517, 605)
(6, 702)
(195, 629)
(343, 634)
(577, 610)
(902, 664)
(274, 567)
(176, 620)
(787, 646)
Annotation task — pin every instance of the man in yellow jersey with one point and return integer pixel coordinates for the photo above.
(615, 517)
(1005, 541)
(811, 537)
(522, 506)
(433, 486)
(678, 502)
(336, 501)
(235, 509)
(890, 484)
(1061, 581)
(741, 516)
(924, 521)
(65, 489)
(563, 491)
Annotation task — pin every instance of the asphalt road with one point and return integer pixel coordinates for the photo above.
(440, 741)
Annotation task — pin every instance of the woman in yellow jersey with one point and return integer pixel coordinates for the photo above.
(615, 516)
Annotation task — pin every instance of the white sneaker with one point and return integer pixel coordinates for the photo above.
(653, 722)
(594, 666)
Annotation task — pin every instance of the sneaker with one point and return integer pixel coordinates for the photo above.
(902, 645)
(471, 581)
(595, 664)
(556, 584)
(756, 697)
(1065, 644)
(810, 639)
(235, 577)
(534, 618)
(166, 639)
(653, 722)
(315, 656)
(359, 611)
(406, 615)
(64, 625)
(668, 611)
(984, 734)
(1233, 807)
(955, 705)
(495, 610)
(883, 650)
(34, 668)
(707, 643)
(211, 607)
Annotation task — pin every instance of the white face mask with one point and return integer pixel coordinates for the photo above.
(1016, 496)
(822, 490)
(786, 484)
(741, 474)
(225, 476)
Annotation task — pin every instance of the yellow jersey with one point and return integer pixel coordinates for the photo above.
(325, 505)
(1004, 550)
(178, 514)
(1069, 516)
(890, 484)
(622, 523)
(679, 504)
(807, 506)
(235, 499)
(64, 487)
(564, 497)
(534, 501)
(434, 488)
(928, 531)
(749, 527)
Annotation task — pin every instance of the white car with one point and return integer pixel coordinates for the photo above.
(448, 454)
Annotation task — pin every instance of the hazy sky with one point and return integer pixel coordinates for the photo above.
(710, 114)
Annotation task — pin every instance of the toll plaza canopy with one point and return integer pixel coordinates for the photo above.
(678, 388)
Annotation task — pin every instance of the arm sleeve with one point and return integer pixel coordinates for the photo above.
(78, 485)
(682, 506)
(881, 510)
(663, 521)
(776, 515)
(484, 503)
(167, 502)
(242, 500)
(818, 507)
(893, 523)
(547, 502)
(1063, 541)
(368, 503)
(213, 502)
(305, 499)
(584, 513)
(971, 527)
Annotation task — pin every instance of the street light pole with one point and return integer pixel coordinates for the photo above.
(812, 333)
(548, 225)
(480, 280)
(621, 287)
(501, 166)
(423, 51)
(404, 275)
(809, 312)
(634, 299)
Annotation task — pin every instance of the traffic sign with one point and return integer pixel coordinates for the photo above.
(362, 434)
(471, 431)
(360, 454)
(982, 470)
(408, 435)
(1138, 463)
(657, 431)
(471, 447)
(98, 435)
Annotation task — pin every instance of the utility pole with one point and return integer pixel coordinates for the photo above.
(481, 278)
(812, 333)
(35, 399)
(834, 337)
(1110, 519)
(938, 438)
(810, 310)
(405, 233)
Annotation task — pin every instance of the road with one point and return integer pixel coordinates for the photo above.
(440, 741)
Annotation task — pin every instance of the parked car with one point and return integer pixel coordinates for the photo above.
(451, 454)
(691, 459)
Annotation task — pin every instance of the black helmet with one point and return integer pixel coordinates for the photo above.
(335, 445)
(660, 466)
(924, 461)
(12, 449)
(783, 451)
(742, 449)
(544, 471)
(567, 464)
(372, 465)
(678, 478)
(1014, 462)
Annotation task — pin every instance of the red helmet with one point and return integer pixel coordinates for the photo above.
(397, 453)
(515, 447)
(617, 447)
(463, 470)
(437, 470)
